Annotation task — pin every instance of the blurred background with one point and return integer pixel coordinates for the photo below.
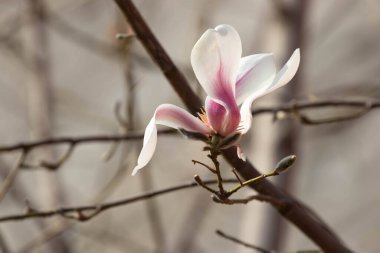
(63, 73)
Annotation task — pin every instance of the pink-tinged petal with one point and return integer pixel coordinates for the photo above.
(223, 120)
(283, 77)
(256, 73)
(215, 60)
(176, 117)
(216, 114)
(171, 116)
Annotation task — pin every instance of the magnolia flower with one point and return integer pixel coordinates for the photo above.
(229, 81)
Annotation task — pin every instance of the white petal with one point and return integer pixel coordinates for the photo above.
(245, 113)
(283, 77)
(286, 73)
(171, 116)
(215, 60)
(147, 151)
(256, 73)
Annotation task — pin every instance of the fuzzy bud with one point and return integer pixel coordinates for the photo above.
(285, 164)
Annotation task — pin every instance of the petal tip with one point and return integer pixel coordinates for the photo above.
(135, 170)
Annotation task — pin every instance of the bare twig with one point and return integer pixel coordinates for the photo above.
(264, 198)
(257, 248)
(204, 165)
(314, 229)
(79, 213)
(238, 241)
(51, 165)
(302, 105)
(75, 141)
(8, 181)
(296, 109)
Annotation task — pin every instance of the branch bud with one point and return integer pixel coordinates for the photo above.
(198, 179)
(284, 164)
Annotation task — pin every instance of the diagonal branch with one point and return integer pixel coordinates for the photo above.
(313, 227)
(159, 55)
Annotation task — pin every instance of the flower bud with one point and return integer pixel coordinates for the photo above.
(285, 164)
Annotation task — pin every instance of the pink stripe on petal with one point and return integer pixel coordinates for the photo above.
(215, 60)
(216, 114)
(176, 117)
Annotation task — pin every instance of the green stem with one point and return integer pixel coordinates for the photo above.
(250, 181)
(214, 159)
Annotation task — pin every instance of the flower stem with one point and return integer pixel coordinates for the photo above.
(250, 181)
(219, 176)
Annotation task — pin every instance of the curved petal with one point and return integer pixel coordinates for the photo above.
(215, 60)
(256, 72)
(171, 116)
(283, 77)
(149, 145)
(176, 117)
(286, 73)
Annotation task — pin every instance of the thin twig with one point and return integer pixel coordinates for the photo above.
(238, 241)
(70, 212)
(264, 198)
(257, 248)
(78, 140)
(8, 181)
(237, 176)
(51, 165)
(303, 105)
(204, 165)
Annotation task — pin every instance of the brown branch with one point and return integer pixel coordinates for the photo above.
(79, 213)
(303, 105)
(74, 141)
(159, 55)
(314, 228)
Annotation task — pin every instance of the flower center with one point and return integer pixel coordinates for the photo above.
(203, 117)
